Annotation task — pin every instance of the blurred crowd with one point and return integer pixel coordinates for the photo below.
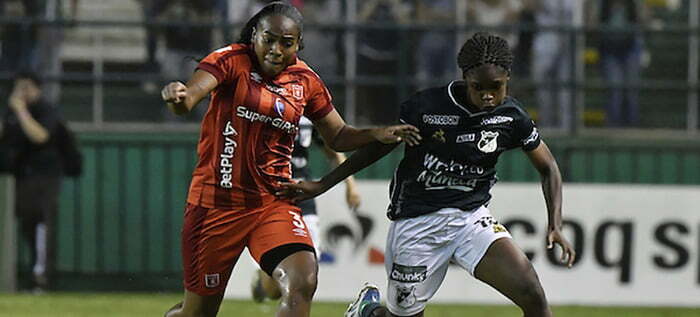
(537, 30)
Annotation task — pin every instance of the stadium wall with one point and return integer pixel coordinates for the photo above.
(119, 223)
(637, 245)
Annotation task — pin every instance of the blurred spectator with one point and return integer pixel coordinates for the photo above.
(436, 49)
(523, 51)
(496, 13)
(322, 47)
(552, 62)
(19, 49)
(378, 53)
(620, 48)
(29, 129)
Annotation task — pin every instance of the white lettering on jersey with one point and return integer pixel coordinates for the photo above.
(496, 120)
(226, 156)
(436, 119)
(469, 137)
(278, 123)
(441, 175)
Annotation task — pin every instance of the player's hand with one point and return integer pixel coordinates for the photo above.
(17, 100)
(568, 254)
(300, 191)
(174, 92)
(398, 133)
(352, 197)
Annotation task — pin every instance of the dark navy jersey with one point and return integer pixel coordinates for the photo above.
(454, 166)
(300, 160)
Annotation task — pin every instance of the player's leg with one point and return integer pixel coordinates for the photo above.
(493, 258)
(195, 306)
(282, 245)
(418, 251)
(212, 241)
(506, 268)
(263, 285)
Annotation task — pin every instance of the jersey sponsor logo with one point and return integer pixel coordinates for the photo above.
(408, 274)
(488, 142)
(439, 175)
(463, 138)
(278, 123)
(279, 107)
(298, 91)
(534, 135)
(437, 119)
(226, 156)
(212, 280)
(439, 136)
(496, 120)
(405, 295)
(275, 89)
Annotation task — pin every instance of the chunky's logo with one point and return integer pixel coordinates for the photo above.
(278, 123)
(408, 274)
(496, 120)
(437, 119)
(226, 156)
(488, 142)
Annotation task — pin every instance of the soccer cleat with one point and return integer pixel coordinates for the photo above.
(256, 288)
(368, 295)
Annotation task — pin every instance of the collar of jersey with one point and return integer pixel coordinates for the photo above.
(277, 80)
(460, 106)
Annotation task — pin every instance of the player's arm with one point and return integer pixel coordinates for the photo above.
(360, 159)
(181, 98)
(543, 160)
(352, 196)
(342, 137)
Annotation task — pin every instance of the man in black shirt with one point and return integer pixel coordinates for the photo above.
(440, 191)
(28, 132)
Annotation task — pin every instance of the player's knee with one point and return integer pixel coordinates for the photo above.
(532, 296)
(305, 285)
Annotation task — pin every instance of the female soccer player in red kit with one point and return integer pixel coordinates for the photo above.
(258, 90)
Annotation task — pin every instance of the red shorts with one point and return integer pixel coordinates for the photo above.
(213, 239)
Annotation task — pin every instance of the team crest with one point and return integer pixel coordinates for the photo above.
(279, 107)
(211, 280)
(439, 135)
(406, 295)
(488, 142)
(298, 92)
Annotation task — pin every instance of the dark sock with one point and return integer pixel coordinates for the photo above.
(369, 309)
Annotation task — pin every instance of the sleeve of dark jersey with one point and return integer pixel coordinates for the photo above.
(408, 112)
(526, 134)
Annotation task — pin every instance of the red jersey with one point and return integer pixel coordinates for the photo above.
(248, 132)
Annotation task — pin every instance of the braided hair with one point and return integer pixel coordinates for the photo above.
(273, 8)
(482, 49)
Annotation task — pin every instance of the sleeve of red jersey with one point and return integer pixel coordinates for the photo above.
(220, 64)
(319, 103)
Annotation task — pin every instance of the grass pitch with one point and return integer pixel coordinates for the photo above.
(149, 304)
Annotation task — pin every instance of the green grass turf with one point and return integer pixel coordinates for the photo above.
(137, 305)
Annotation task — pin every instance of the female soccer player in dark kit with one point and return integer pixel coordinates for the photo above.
(441, 189)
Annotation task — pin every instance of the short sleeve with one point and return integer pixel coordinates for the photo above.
(319, 102)
(220, 63)
(526, 135)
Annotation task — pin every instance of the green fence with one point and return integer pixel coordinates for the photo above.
(119, 223)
